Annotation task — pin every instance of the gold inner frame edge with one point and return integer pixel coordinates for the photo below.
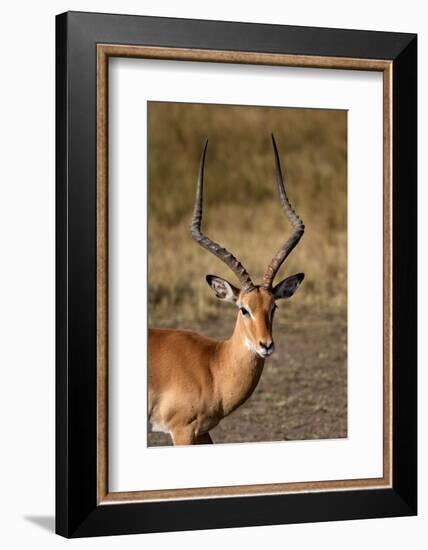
(104, 51)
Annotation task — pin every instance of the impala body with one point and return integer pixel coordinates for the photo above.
(195, 381)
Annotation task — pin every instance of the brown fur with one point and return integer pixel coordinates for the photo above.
(195, 381)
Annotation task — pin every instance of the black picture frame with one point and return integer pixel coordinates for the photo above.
(77, 511)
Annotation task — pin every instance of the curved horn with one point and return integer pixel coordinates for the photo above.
(296, 222)
(205, 242)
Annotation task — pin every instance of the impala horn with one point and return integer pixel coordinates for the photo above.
(195, 229)
(296, 222)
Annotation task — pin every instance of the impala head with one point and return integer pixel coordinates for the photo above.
(256, 303)
(256, 309)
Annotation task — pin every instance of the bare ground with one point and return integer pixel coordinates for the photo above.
(302, 393)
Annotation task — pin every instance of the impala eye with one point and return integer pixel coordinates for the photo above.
(245, 312)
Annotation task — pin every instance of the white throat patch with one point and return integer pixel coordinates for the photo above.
(249, 345)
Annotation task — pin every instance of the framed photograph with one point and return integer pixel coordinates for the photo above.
(236, 274)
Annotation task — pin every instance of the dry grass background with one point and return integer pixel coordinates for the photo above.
(241, 206)
(243, 213)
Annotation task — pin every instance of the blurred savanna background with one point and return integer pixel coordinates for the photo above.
(302, 393)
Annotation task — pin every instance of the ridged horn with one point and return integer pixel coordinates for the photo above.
(296, 222)
(195, 229)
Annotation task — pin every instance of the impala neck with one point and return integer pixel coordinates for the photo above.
(238, 371)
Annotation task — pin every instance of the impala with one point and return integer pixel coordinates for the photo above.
(195, 381)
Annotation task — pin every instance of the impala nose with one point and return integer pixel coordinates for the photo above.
(266, 348)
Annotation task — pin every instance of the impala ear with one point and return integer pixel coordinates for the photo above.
(223, 289)
(287, 287)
